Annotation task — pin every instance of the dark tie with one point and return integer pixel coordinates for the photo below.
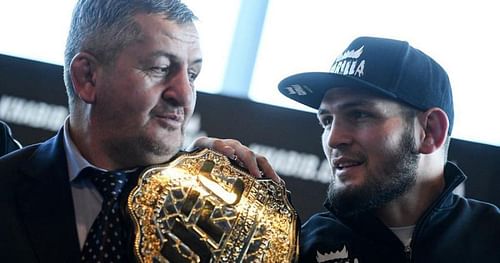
(106, 238)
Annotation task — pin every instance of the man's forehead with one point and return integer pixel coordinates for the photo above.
(153, 24)
(349, 97)
(162, 37)
(186, 33)
(341, 93)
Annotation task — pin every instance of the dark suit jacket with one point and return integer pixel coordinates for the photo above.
(36, 208)
(7, 143)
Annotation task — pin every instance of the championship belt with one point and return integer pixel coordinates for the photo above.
(200, 207)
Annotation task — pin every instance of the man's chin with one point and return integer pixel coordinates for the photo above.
(158, 154)
(161, 148)
(349, 200)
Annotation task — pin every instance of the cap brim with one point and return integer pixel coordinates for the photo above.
(310, 87)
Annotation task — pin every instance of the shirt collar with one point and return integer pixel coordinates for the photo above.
(76, 162)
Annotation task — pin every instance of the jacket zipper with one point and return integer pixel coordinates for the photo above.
(408, 252)
(445, 194)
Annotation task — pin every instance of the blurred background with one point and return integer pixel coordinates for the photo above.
(249, 46)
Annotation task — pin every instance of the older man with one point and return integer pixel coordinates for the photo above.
(130, 68)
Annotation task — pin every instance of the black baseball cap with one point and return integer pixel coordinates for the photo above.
(390, 67)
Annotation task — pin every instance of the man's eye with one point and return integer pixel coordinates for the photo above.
(192, 76)
(326, 121)
(359, 115)
(160, 70)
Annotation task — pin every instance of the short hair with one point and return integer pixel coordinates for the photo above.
(104, 27)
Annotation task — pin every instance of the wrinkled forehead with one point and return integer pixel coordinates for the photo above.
(160, 36)
(154, 24)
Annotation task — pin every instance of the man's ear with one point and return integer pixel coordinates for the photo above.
(83, 70)
(434, 124)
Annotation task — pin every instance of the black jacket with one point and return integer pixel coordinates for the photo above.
(453, 229)
(38, 222)
(7, 142)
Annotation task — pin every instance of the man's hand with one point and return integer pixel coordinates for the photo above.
(257, 165)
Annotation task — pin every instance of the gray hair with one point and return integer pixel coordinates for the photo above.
(104, 27)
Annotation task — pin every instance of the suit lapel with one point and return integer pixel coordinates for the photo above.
(46, 204)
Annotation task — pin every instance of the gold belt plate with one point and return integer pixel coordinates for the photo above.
(200, 207)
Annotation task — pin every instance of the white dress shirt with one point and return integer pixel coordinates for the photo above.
(86, 198)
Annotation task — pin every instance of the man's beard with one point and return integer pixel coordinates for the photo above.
(398, 175)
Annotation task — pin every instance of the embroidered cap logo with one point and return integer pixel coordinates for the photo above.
(349, 64)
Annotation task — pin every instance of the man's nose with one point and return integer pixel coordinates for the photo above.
(179, 88)
(339, 135)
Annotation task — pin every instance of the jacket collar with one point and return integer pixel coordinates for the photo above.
(46, 205)
(453, 177)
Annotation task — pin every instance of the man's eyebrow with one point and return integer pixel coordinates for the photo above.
(357, 103)
(348, 105)
(322, 111)
(197, 61)
(160, 53)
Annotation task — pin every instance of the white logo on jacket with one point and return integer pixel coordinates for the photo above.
(338, 256)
